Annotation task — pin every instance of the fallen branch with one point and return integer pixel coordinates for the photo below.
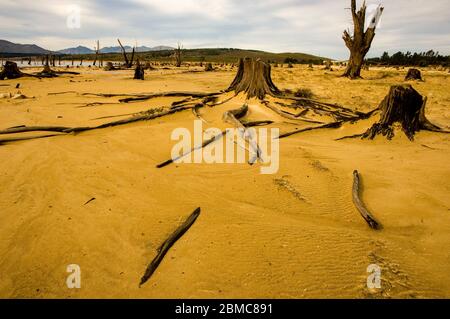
(360, 205)
(205, 143)
(329, 125)
(168, 243)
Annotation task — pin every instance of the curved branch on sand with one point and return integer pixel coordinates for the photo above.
(360, 205)
(168, 243)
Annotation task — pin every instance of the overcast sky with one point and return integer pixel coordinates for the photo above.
(309, 26)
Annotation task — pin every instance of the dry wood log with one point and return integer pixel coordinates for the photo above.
(144, 116)
(168, 243)
(18, 139)
(329, 125)
(373, 223)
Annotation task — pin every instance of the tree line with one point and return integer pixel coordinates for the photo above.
(412, 59)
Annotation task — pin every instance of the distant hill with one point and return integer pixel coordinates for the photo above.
(127, 48)
(78, 50)
(20, 49)
(232, 55)
(221, 55)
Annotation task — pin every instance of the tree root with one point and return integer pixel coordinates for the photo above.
(168, 243)
(360, 205)
(143, 97)
(289, 115)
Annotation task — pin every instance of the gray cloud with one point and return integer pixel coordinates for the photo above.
(311, 26)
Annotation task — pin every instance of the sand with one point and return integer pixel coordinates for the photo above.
(294, 234)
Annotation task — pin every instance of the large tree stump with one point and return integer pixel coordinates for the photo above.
(10, 71)
(47, 72)
(403, 105)
(254, 78)
(413, 74)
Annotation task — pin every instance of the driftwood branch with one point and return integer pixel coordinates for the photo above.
(329, 125)
(168, 243)
(360, 205)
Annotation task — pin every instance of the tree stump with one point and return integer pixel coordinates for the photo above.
(139, 72)
(10, 71)
(47, 71)
(254, 78)
(110, 67)
(209, 67)
(413, 74)
(403, 105)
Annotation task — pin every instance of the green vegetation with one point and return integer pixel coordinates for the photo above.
(409, 59)
(211, 55)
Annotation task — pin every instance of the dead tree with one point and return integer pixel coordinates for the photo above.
(97, 51)
(178, 55)
(405, 106)
(128, 63)
(413, 74)
(359, 43)
(139, 71)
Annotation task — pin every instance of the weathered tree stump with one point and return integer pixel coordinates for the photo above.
(403, 105)
(10, 71)
(413, 74)
(110, 67)
(209, 67)
(254, 78)
(47, 71)
(139, 71)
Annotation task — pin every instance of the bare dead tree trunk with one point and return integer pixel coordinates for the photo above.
(132, 57)
(125, 58)
(254, 78)
(359, 44)
(178, 55)
(97, 50)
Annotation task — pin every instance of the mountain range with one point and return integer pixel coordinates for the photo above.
(8, 47)
(84, 50)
